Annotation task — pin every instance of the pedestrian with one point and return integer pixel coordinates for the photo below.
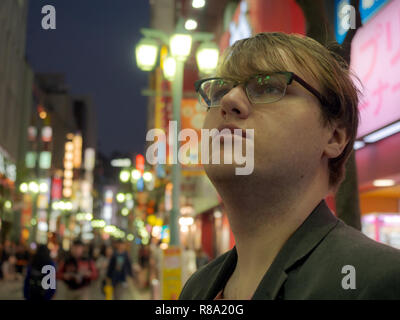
(102, 263)
(3, 258)
(33, 288)
(118, 271)
(8, 262)
(301, 101)
(77, 272)
(22, 256)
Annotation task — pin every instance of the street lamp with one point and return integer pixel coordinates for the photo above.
(8, 205)
(120, 197)
(124, 176)
(23, 187)
(198, 4)
(146, 54)
(136, 175)
(169, 68)
(33, 187)
(147, 176)
(207, 57)
(190, 24)
(180, 46)
(43, 187)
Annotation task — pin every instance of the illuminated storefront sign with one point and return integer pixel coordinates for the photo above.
(7, 168)
(77, 141)
(140, 163)
(345, 15)
(254, 16)
(30, 159)
(68, 169)
(171, 273)
(110, 208)
(45, 160)
(242, 28)
(375, 58)
(121, 163)
(368, 8)
(56, 188)
(47, 134)
(90, 159)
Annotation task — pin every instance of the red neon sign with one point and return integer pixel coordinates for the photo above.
(140, 163)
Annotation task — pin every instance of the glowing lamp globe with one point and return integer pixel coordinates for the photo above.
(169, 68)
(207, 57)
(146, 54)
(180, 46)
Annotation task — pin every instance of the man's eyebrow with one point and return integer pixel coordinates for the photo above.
(294, 85)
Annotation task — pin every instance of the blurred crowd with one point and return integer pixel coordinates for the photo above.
(88, 270)
(107, 267)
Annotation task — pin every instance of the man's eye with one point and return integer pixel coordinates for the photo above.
(218, 94)
(268, 89)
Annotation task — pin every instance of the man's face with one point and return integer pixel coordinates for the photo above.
(77, 251)
(120, 247)
(109, 251)
(288, 135)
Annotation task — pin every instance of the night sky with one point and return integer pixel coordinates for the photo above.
(94, 46)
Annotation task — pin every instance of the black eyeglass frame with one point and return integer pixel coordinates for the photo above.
(290, 76)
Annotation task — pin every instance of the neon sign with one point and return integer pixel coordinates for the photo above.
(242, 28)
(375, 58)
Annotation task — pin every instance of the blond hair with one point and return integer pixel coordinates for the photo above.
(266, 52)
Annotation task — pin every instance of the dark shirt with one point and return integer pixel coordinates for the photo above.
(22, 260)
(312, 265)
(119, 267)
(33, 289)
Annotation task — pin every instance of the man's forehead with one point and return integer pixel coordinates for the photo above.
(242, 65)
(299, 70)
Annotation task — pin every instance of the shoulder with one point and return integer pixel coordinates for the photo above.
(375, 266)
(350, 242)
(198, 284)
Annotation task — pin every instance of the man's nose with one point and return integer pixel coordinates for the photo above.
(235, 103)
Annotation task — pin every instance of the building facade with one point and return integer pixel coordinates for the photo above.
(16, 78)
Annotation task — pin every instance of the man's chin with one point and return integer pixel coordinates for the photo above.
(220, 172)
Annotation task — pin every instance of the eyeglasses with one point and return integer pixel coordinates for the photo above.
(261, 88)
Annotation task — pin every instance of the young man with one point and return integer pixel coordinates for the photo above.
(302, 104)
(118, 270)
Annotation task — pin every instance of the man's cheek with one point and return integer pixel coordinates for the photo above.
(210, 120)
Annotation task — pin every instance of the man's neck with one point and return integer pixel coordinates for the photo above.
(262, 221)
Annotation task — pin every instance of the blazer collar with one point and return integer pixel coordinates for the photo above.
(222, 275)
(312, 231)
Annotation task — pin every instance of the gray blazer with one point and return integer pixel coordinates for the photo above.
(323, 259)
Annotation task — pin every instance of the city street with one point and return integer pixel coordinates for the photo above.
(13, 290)
(199, 150)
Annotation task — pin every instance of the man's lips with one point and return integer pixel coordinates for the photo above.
(232, 128)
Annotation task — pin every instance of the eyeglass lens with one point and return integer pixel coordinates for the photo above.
(259, 89)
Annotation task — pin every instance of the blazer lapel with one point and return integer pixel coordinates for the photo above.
(302, 242)
(221, 276)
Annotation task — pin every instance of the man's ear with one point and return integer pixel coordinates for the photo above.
(338, 140)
